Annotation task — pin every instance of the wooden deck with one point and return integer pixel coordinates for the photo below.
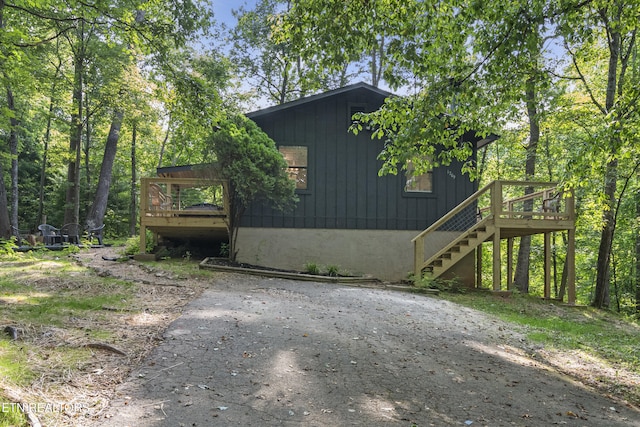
(183, 208)
(502, 210)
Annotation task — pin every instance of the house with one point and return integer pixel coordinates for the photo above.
(348, 216)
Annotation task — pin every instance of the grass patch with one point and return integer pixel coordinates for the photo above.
(180, 268)
(14, 363)
(605, 335)
(11, 416)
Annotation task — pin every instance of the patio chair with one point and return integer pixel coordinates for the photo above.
(95, 232)
(50, 234)
(71, 233)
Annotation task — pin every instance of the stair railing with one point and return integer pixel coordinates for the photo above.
(460, 219)
(549, 203)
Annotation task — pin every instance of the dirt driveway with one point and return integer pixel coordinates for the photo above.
(263, 352)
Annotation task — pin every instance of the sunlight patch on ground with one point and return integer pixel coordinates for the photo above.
(28, 299)
(506, 352)
(146, 319)
(379, 407)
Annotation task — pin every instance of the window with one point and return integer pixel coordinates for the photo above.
(422, 183)
(296, 158)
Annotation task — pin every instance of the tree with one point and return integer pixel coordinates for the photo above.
(256, 171)
(613, 94)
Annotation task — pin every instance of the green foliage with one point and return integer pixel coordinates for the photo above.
(6, 247)
(132, 244)
(445, 285)
(311, 268)
(333, 270)
(249, 159)
(224, 250)
(609, 336)
(256, 171)
(272, 68)
(12, 417)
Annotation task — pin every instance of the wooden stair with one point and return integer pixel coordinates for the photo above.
(460, 247)
(498, 211)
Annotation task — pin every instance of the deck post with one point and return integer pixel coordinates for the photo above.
(496, 211)
(510, 263)
(418, 257)
(547, 266)
(571, 265)
(479, 266)
(143, 239)
(497, 262)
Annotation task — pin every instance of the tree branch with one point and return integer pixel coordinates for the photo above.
(584, 80)
(44, 41)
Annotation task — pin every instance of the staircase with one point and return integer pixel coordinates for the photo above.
(500, 210)
(460, 247)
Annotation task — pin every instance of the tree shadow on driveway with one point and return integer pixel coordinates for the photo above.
(257, 351)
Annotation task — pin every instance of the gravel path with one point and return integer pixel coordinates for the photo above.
(254, 351)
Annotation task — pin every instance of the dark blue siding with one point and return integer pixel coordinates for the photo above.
(344, 189)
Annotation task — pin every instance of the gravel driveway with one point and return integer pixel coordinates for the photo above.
(254, 351)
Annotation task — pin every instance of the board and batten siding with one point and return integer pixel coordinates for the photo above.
(344, 189)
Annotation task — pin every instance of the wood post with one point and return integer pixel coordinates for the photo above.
(547, 266)
(479, 266)
(510, 263)
(143, 239)
(418, 257)
(497, 262)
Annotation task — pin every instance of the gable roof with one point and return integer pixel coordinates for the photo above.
(479, 142)
(317, 97)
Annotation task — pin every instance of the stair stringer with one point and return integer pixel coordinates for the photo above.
(465, 243)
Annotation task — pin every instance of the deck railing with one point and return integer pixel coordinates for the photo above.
(500, 200)
(169, 197)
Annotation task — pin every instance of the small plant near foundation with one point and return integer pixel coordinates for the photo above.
(224, 250)
(333, 270)
(312, 268)
(444, 285)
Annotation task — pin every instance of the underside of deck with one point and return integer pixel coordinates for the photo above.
(183, 209)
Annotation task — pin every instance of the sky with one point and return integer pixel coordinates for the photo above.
(222, 9)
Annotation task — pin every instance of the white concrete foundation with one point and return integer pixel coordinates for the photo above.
(383, 254)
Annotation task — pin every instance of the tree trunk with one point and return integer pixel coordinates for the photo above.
(601, 295)
(95, 218)
(45, 154)
(5, 225)
(72, 199)
(521, 275)
(86, 146)
(13, 149)
(638, 247)
(132, 205)
(377, 62)
(164, 141)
